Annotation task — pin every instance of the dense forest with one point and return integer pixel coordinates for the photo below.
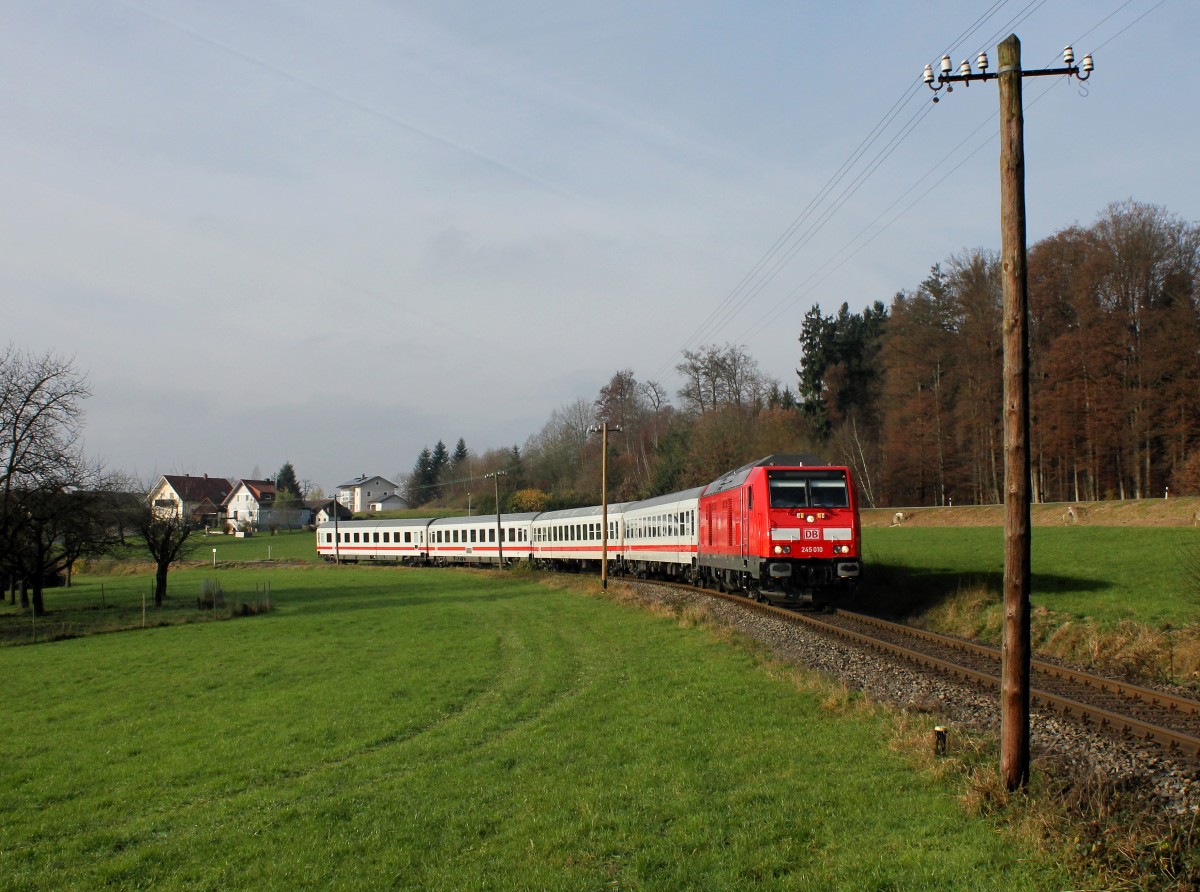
(909, 393)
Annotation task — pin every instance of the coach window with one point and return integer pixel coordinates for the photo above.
(408, 537)
(387, 537)
(376, 539)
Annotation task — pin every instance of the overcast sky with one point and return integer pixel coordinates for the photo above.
(333, 233)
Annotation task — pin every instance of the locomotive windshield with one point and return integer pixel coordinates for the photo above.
(808, 489)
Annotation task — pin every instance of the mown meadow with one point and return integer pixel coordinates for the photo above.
(424, 729)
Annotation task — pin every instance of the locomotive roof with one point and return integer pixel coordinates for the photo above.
(779, 460)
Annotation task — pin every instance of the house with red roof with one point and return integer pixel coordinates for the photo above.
(198, 498)
(250, 503)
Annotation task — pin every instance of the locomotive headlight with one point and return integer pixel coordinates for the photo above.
(810, 518)
(779, 549)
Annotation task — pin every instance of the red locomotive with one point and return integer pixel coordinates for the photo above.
(783, 528)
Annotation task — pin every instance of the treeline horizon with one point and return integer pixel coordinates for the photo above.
(909, 393)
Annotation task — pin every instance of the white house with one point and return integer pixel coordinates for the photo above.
(251, 503)
(389, 503)
(182, 495)
(359, 493)
(326, 510)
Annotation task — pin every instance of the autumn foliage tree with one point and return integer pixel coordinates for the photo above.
(1115, 370)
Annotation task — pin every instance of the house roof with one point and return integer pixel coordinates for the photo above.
(392, 497)
(262, 490)
(359, 481)
(196, 489)
(331, 506)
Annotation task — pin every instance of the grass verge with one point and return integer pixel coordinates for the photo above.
(456, 730)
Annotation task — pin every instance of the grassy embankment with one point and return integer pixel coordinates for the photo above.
(1115, 585)
(454, 730)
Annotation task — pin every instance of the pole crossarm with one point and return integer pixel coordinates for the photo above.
(966, 76)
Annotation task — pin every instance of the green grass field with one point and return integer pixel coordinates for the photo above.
(413, 729)
(1106, 574)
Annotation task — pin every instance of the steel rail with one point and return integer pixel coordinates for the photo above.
(1122, 689)
(1169, 739)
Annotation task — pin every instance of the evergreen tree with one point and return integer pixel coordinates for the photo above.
(460, 456)
(439, 462)
(421, 480)
(286, 482)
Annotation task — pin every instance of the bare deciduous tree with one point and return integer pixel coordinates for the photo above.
(55, 505)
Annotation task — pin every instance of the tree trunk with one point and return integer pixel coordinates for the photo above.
(160, 584)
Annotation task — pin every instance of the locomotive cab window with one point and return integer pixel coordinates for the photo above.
(805, 489)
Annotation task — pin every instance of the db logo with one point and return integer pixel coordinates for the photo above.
(812, 534)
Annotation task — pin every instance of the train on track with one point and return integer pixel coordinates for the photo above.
(784, 528)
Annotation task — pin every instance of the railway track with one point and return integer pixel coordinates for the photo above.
(1130, 710)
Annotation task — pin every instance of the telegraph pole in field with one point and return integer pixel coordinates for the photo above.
(603, 430)
(496, 475)
(1015, 658)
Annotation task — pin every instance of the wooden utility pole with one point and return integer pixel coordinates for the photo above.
(496, 475)
(1015, 657)
(604, 508)
(1014, 672)
(603, 430)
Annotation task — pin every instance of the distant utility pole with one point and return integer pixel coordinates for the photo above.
(1015, 659)
(603, 430)
(496, 475)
